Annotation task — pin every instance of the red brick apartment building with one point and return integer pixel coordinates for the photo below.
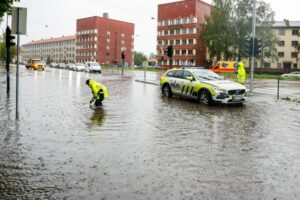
(103, 40)
(179, 25)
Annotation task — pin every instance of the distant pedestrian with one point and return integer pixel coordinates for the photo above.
(241, 73)
(99, 92)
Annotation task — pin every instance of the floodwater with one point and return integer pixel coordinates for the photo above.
(142, 145)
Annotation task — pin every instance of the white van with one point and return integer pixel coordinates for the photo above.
(92, 67)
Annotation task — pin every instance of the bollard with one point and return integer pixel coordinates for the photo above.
(278, 88)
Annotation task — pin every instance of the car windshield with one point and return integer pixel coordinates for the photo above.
(39, 62)
(204, 74)
(94, 64)
(80, 64)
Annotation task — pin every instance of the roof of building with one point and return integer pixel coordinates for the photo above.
(105, 18)
(183, 1)
(56, 39)
(287, 23)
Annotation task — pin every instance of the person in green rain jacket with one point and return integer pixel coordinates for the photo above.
(99, 92)
(241, 73)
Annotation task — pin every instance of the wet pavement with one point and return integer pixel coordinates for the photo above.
(142, 145)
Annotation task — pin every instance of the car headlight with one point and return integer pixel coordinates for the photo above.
(219, 90)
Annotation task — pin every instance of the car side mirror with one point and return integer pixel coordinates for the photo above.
(190, 78)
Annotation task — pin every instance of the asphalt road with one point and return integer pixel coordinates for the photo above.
(142, 145)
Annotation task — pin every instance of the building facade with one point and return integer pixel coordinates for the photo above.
(179, 25)
(103, 40)
(288, 34)
(60, 49)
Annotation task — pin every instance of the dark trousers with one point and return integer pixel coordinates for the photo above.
(100, 98)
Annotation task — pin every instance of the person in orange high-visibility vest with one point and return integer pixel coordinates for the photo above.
(99, 92)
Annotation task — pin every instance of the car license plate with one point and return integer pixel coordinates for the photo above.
(237, 97)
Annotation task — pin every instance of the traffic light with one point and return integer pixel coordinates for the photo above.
(170, 51)
(257, 47)
(8, 38)
(249, 46)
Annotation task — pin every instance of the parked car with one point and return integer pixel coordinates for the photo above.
(203, 85)
(92, 67)
(71, 66)
(62, 65)
(53, 65)
(138, 67)
(79, 67)
(292, 74)
(36, 64)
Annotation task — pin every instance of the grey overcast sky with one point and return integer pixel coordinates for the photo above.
(53, 18)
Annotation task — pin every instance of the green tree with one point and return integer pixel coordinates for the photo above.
(217, 33)
(229, 27)
(3, 50)
(242, 27)
(266, 33)
(139, 58)
(5, 6)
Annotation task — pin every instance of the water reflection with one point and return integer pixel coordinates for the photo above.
(60, 75)
(98, 118)
(70, 78)
(78, 78)
(35, 75)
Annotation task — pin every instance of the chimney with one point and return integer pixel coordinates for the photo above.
(105, 15)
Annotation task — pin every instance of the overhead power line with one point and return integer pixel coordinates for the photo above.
(122, 8)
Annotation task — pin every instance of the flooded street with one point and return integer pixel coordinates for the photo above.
(142, 145)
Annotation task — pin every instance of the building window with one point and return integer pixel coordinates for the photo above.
(177, 21)
(294, 43)
(281, 54)
(195, 20)
(172, 32)
(294, 54)
(190, 52)
(184, 31)
(191, 41)
(295, 65)
(159, 42)
(184, 41)
(183, 52)
(177, 31)
(281, 43)
(171, 42)
(295, 32)
(267, 65)
(177, 42)
(177, 52)
(166, 32)
(278, 65)
(281, 32)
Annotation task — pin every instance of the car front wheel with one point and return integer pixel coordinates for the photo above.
(166, 91)
(204, 98)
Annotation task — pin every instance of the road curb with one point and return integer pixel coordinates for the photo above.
(147, 82)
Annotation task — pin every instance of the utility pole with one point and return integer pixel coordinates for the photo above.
(252, 54)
